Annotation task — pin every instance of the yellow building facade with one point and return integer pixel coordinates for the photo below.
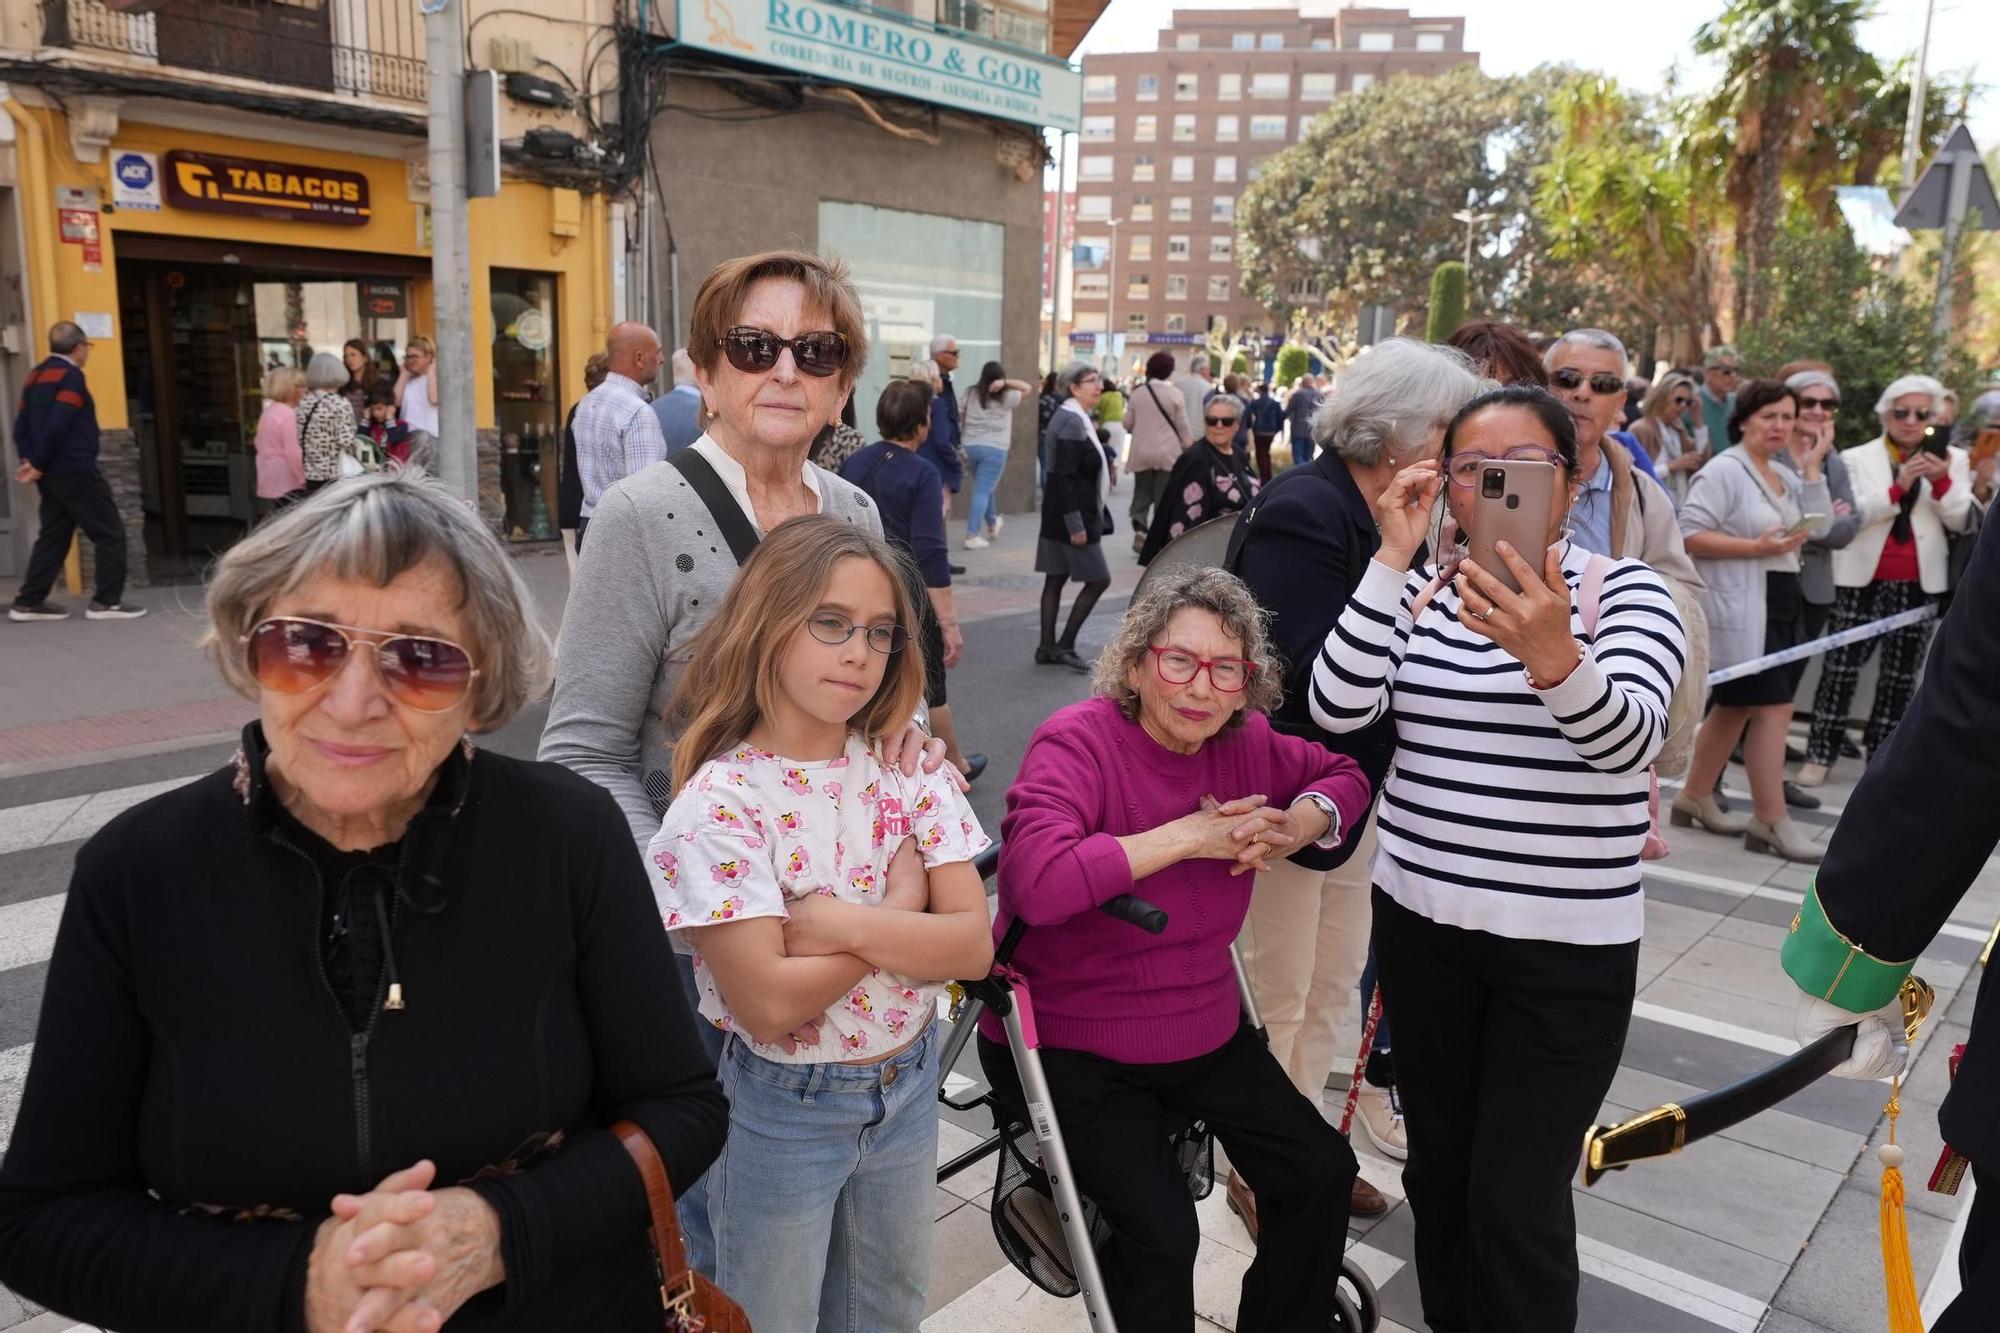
(201, 244)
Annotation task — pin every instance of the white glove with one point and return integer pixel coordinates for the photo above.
(1879, 1047)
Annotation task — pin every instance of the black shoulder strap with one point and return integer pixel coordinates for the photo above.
(722, 506)
(1163, 414)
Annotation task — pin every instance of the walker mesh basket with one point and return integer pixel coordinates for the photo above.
(1028, 1227)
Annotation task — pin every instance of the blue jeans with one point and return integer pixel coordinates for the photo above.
(1302, 442)
(985, 462)
(823, 1201)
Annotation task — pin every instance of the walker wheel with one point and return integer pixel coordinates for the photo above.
(1357, 1299)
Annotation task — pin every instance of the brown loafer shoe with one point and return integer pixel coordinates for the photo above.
(1366, 1201)
(1242, 1202)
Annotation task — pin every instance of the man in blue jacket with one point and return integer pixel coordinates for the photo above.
(55, 433)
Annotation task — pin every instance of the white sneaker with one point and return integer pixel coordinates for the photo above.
(115, 611)
(976, 543)
(993, 528)
(1381, 1116)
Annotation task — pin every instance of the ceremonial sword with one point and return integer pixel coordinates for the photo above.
(1667, 1129)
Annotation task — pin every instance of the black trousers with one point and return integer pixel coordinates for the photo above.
(1978, 1263)
(1114, 1120)
(1504, 1051)
(72, 500)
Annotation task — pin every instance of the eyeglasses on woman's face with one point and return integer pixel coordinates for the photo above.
(1819, 404)
(293, 655)
(1177, 666)
(754, 351)
(1463, 469)
(833, 629)
(1682, 401)
(1213, 422)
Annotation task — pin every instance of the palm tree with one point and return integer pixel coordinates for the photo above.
(1786, 64)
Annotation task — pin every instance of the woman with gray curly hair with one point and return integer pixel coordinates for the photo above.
(1171, 784)
(318, 1023)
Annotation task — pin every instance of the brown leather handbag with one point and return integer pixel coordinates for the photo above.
(689, 1302)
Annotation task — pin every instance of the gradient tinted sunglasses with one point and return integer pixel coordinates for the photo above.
(1603, 382)
(291, 655)
(1905, 413)
(754, 351)
(1829, 404)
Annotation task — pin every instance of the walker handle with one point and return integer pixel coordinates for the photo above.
(1136, 911)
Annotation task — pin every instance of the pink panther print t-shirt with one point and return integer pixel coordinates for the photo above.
(753, 832)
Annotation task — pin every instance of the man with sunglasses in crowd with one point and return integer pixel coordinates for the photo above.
(616, 431)
(1720, 375)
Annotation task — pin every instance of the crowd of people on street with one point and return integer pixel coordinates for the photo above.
(1391, 739)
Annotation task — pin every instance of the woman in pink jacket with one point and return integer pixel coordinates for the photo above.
(281, 468)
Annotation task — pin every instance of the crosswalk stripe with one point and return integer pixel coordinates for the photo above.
(28, 930)
(74, 818)
(1712, 1027)
(1957, 930)
(1685, 1292)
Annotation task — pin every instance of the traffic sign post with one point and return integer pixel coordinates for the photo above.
(1954, 193)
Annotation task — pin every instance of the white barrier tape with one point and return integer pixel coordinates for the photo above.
(1872, 629)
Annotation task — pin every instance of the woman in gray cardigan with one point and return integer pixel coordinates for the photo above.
(1744, 521)
(1819, 403)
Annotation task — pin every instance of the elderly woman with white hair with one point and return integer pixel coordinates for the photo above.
(1305, 543)
(1913, 491)
(326, 420)
(333, 1037)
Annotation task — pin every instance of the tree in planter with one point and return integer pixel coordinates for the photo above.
(1447, 309)
(1293, 361)
(1239, 364)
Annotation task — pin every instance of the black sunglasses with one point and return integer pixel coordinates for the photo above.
(754, 351)
(1220, 421)
(1905, 413)
(1829, 404)
(1603, 382)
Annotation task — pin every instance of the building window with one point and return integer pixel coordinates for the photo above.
(1222, 208)
(1183, 129)
(1262, 127)
(1257, 169)
(1145, 129)
(1093, 207)
(1271, 41)
(1183, 168)
(1095, 250)
(1187, 87)
(1087, 321)
(1176, 324)
(1271, 85)
(1218, 289)
(1316, 87)
(1225, 168)
(1177, 249)
(1100, 87)
(1177, 287)
(1188, 41)
(1139, 287)
(1322, 44)
(1430, 41)
(1378, 41)
(1141, 247)
(1360, 83)
(1100, 129)
(1180, 208)
(1227, 128)
(1092, 286)
(1243, 41)
(1305, 125)
(1229, 87)
(1135, 325)
(1094, 167)
(1149, 88)
(1142, 208)
(1221, 249)
(1142, 168)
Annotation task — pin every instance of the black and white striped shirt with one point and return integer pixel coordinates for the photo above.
(1512, 810)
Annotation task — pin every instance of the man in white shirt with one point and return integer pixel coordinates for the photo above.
(616, 431)
(1196, 385)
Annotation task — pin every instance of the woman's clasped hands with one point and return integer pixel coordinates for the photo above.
(1250, 831)
(401, 1258)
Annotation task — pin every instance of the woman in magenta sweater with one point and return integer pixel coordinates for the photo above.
(1170, 784)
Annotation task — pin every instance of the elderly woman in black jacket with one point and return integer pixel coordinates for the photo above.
(334, 1036)
(1074, 519)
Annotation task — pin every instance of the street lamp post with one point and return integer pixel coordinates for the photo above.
(1471, 220)
(1111, 297)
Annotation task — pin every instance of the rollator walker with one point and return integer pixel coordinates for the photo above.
(1047, 1230)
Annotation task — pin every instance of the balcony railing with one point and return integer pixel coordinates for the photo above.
(363, 48)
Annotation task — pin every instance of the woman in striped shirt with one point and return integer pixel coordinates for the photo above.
(1507, 900)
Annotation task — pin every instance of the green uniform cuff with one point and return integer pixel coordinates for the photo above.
(1826, 964)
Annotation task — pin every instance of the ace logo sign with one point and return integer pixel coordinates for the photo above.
(135, 181)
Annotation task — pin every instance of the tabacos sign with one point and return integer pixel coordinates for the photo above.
(250, 187)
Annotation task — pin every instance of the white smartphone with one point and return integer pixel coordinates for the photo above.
(1806, 524)
(1513, 505)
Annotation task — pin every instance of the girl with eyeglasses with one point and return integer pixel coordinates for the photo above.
(828, 898)
(1913, 492)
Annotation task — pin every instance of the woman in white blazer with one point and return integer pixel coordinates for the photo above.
(1912, 496)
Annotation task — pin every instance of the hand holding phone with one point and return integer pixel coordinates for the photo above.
(1804, 525)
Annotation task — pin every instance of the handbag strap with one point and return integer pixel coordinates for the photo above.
(667, 1241)
(1151, 393)
(722, 506)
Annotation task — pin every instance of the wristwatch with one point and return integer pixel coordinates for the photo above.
(1331, 838)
